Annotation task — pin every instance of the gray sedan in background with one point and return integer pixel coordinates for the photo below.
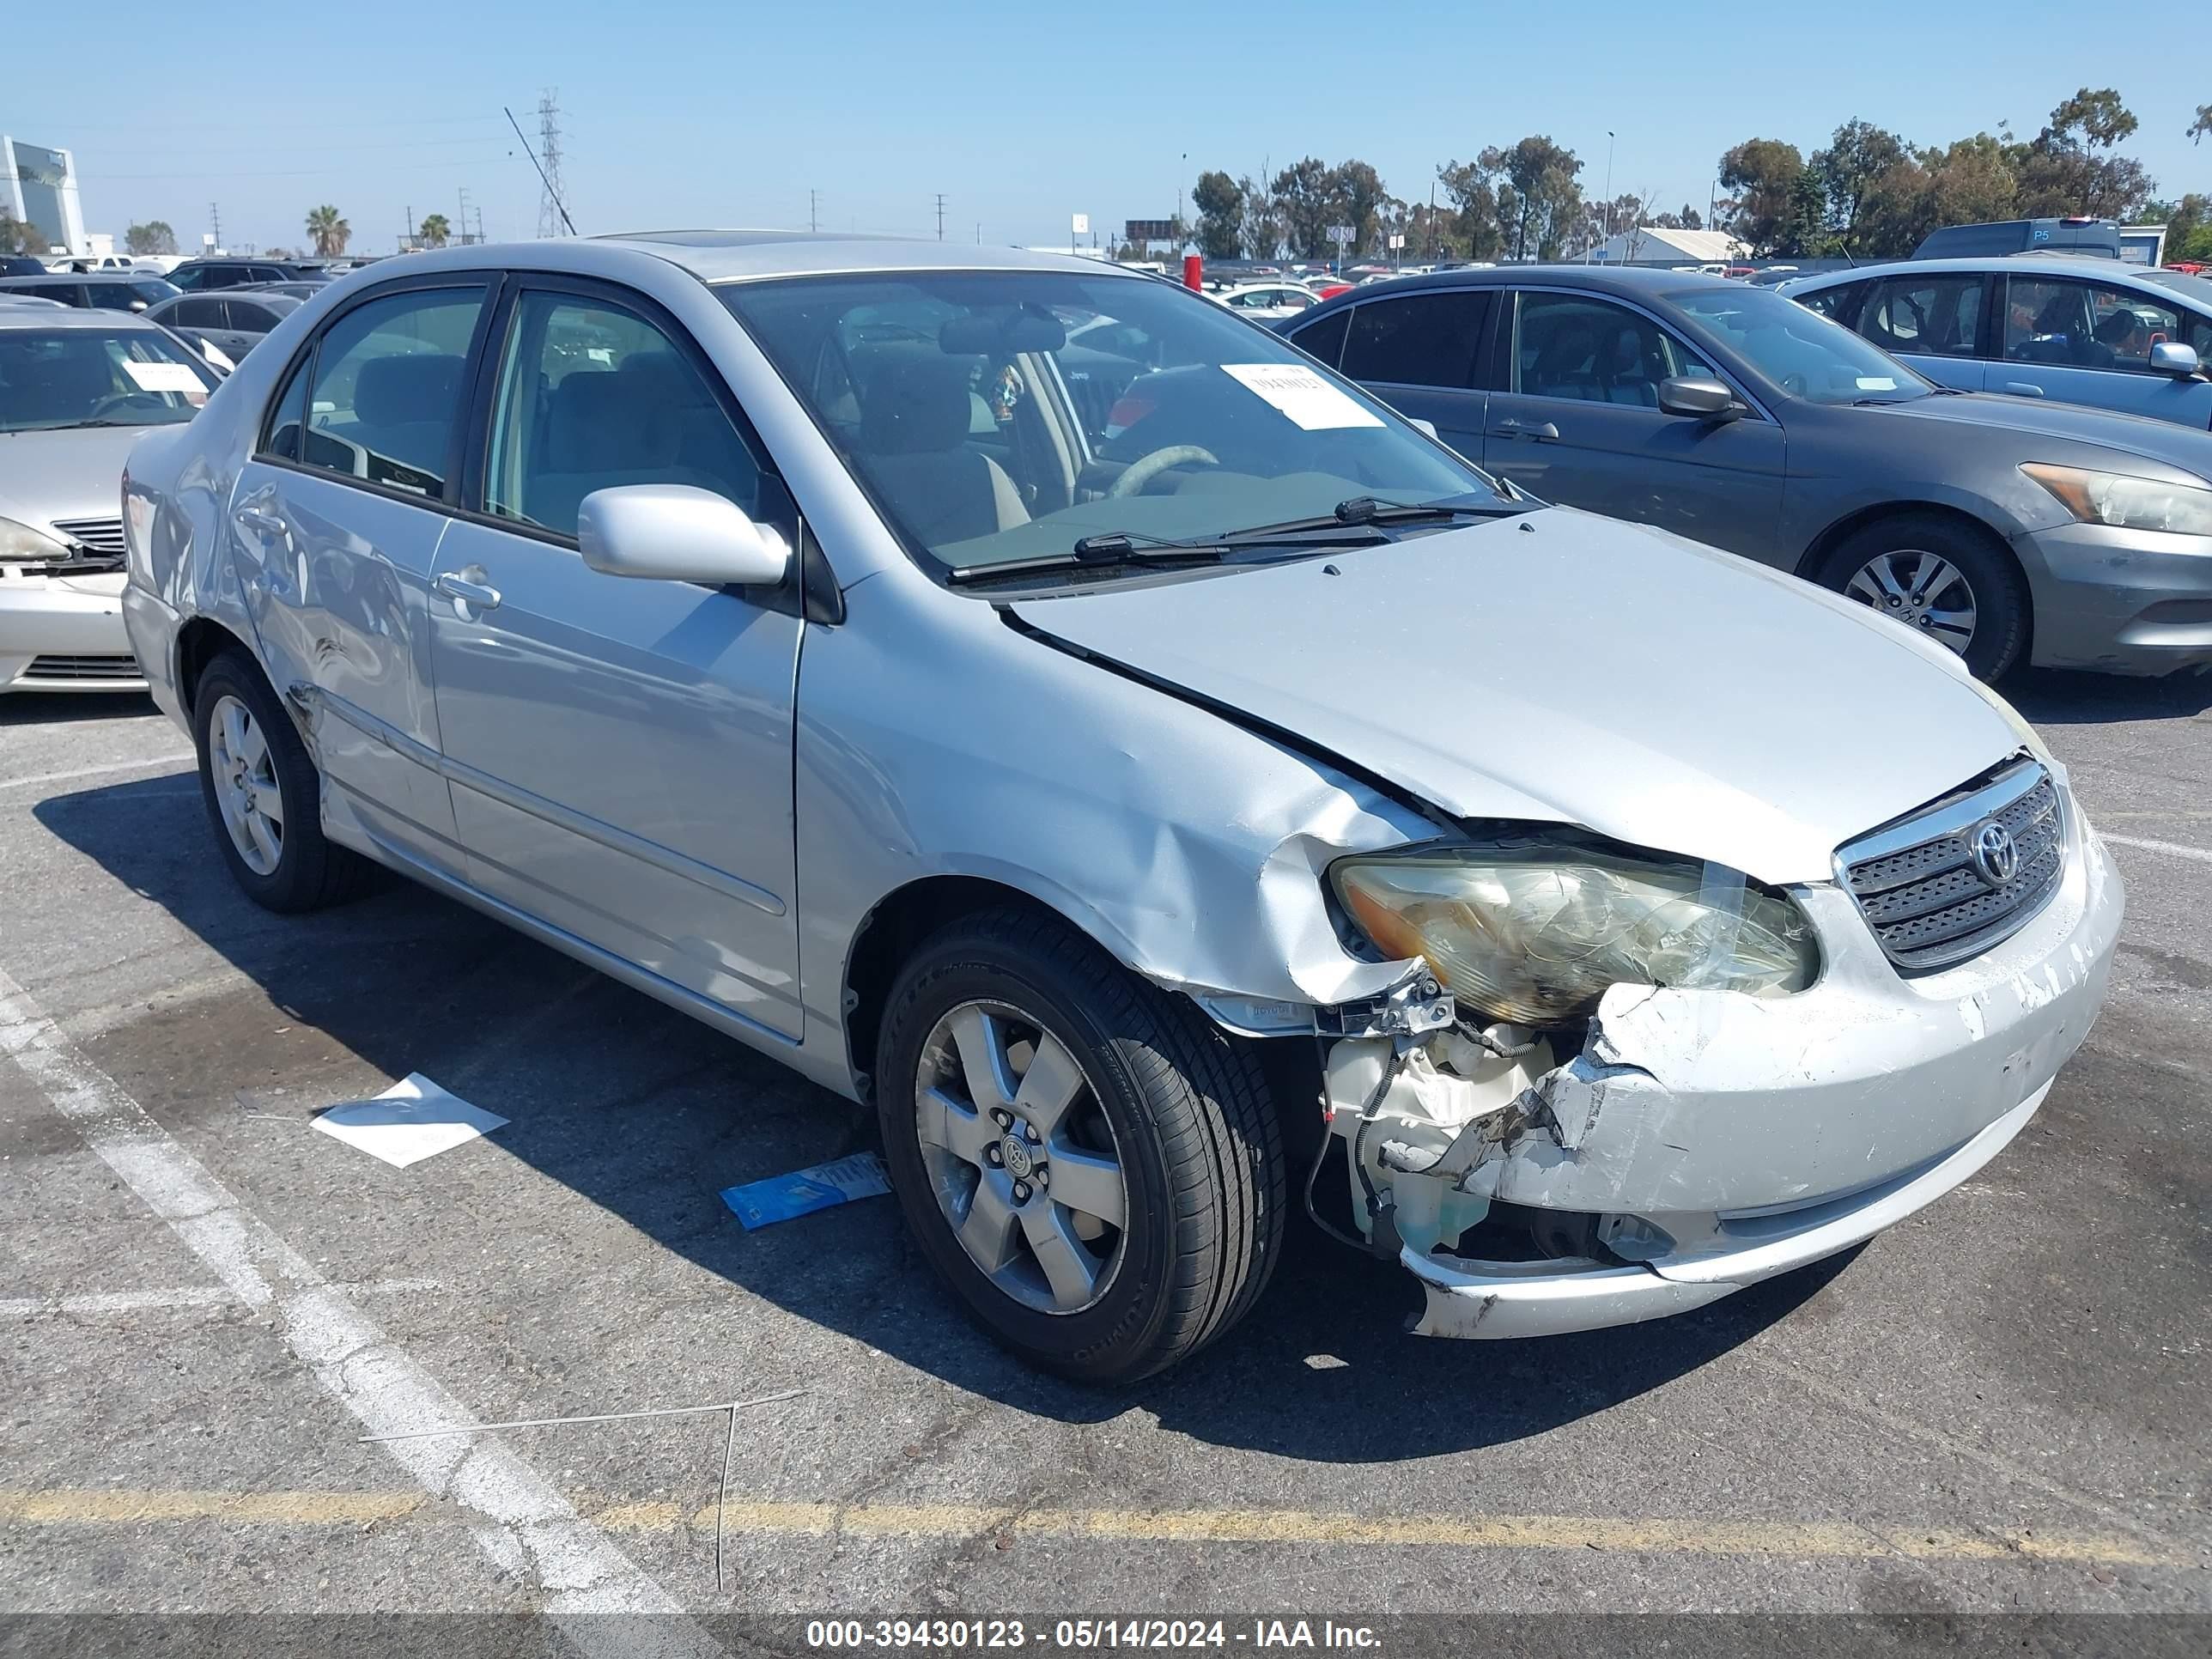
(232, 321)
(2011, 530)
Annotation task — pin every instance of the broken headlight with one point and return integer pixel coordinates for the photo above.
(1535, 935)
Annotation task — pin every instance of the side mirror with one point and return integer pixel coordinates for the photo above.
(2171, 357)
(1698, 397)
(1426, 428)
(677, 534)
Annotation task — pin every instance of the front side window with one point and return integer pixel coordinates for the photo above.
(1940, 316)
(1840, 302)
(1573, 345)
(1802, 353)
(98, 376)
(592, 396)
(997, 418)
(2073, 324)
(1325, 339)
(1423, 339)
(388, 388)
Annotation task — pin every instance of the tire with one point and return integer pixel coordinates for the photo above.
(289, 866)
(1999, 595)
(1158, 1091)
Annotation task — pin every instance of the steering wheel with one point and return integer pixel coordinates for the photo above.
(1146, 468)
(114, 403)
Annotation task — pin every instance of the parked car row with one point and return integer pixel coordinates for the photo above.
(1028, 699)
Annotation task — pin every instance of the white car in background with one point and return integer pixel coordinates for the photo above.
(77, 388)
(1266, 302)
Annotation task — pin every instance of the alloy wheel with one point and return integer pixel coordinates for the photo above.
(1922, 590)
(245, 787)
(1021, 1159)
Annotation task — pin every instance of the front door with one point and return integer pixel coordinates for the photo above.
(1420, 354)
(620, 750)
(337, 519)
(2080, 341)
(1581, 425)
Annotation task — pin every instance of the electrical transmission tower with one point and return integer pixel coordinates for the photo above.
(940, 215)
(549, 159)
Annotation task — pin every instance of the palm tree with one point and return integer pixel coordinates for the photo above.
(433, 230)
(330, 232)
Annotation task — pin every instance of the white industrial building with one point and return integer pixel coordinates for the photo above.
(1656, 245)
(37, 186)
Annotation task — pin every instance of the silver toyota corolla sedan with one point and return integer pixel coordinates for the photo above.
(1171, 787)
(77, 388)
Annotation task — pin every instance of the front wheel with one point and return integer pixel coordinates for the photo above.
(1947, 581)
(1095, 1169)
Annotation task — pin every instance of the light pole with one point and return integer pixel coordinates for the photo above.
(1609, 184)
(1182, 172)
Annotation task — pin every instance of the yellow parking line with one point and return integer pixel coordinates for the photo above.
(1660, 1535)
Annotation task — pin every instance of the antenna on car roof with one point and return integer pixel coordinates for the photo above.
(543, 179)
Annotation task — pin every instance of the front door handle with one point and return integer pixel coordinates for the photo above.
(2023, 389)
(467, 594)
(258, 522)
(1511, 428)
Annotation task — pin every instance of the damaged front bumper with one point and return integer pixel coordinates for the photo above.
(1708, 1139)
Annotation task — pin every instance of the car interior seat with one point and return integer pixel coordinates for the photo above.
(913, 446)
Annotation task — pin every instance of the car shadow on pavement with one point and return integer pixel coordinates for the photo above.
(2054, 696)
(649, 1114)
(72, 708)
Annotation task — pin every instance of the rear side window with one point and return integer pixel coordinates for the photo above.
(1940, 316)
(1423, 339)
(591, 396)
(388, 388)
(1324, 339)
(198, 313)
(1840, 302)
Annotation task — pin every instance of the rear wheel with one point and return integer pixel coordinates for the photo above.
(1093, 1166)
(1946, 579)
(264, 795)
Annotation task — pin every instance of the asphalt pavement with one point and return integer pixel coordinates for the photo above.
(205, 1306)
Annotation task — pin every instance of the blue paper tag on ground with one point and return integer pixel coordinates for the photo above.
(763, 1203)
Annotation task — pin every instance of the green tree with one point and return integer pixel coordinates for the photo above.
(1688, 219)
(1540, 202)
(1857, 154)
(1803, 233)
(434, 231)
(2069, 167)
(2202, 126)
(329, 233)
(155, 236)
(1220, 205)
(1356, 198)
(18, 236)
(1472, 227)
(1760, 172)
(1301, 193)
(1260, 225)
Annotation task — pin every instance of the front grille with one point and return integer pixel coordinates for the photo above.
(1930, 901)
(83, 668)
(95, 546)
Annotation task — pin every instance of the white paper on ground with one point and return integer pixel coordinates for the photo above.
(412, 1119)
(1302, 395)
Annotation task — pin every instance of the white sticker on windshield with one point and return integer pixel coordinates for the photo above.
(167, 377)
(1301, 394)
(1877, 383)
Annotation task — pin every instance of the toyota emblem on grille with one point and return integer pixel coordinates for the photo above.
(1996, 856)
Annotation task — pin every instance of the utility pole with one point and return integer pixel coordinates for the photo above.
(407, 231)
(813, 210)
(461, 225)
(215, 217)
(978, 233)
(550, 216)
(940, 215)
(1608, 187)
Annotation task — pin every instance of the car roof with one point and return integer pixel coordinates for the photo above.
(56, 279)
(2056, 264)
(715, 255)
(72, 317)
(1627, 281)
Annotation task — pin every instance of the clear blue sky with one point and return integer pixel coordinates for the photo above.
(686, 113)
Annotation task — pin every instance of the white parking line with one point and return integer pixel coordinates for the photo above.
(530, 1530)
(44, 777)
(92, 1303)
(2172, 849)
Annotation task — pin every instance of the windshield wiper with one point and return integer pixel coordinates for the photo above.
(1098, 552)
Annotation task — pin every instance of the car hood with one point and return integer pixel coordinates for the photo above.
(2177, 446)
(72, 474)
(1568, 668)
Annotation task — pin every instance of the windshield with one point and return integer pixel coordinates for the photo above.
(1801, 351)
(1002, 415)
(66, 377)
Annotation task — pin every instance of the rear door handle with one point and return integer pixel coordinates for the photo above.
(474, 595)
(260, 523)
(1510, 427)
(2023, 389)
